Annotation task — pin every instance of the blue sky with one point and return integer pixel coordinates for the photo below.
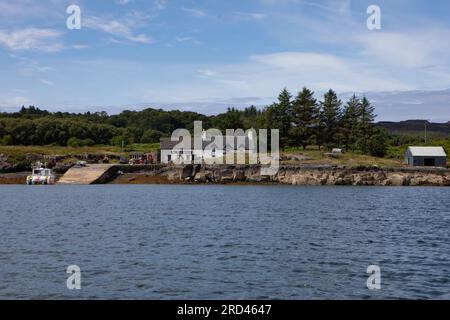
(205, 55)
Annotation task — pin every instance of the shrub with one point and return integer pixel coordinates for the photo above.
(377, 145)
(7, 140)
(88, 142)
(151, 136)
(74, 142)
(117, 140)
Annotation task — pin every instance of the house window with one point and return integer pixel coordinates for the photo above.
(169, 157)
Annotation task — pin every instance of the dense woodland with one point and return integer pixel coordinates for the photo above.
(302, 120)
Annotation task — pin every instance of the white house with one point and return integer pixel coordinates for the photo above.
(211, 147)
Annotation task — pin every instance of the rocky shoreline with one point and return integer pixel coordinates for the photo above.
(15, 172)
(306, 175)
(287, 175)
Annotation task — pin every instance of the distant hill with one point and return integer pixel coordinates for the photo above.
(417, 128)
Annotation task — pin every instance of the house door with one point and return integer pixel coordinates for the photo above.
(169, 157)
(430, 162)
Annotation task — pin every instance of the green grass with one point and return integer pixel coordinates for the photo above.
(59, 150)
(350, 159)
(311, 155)
(54, 150)
(17, 154)
(140, 147)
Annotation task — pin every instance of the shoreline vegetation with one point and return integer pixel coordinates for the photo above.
(302, 121)
(309, 128)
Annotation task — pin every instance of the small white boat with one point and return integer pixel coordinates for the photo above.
(41, 175)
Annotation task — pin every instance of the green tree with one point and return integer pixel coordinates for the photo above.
(2, 129)
(366, 120)
(329, 119)
(7, 140)
(74, 142)
(151, 136)
(121, 139)
(268, 117)
(304, 118)
(350, 123)
(377, 144)
(250, 117)
(231, 120)
(87, 142)
(281, 116)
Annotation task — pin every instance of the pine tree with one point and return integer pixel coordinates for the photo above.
(366, 120)
(349, 123)
(329, 119)
(250, 117)
(232, 119)
(304, 118)
(377, 144)
(282, 116)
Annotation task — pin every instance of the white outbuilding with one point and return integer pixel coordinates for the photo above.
(426, 157)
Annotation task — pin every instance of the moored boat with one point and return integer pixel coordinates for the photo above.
(41, 175)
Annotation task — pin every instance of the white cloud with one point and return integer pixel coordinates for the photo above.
(124, 2)
(261, 75)
(409, 50)
(206, 73)
(44, 68)
(30, 64)
(46, 82)
(195, 12)
(140, 38)
(157, 4)
(265, 74)
(11, 11)
(185, 39)
(16, 101)
(297, 60)
(250, 15)
(160, 4)
(116, 28)
(340, 6)
(80, 46)
(45, 40)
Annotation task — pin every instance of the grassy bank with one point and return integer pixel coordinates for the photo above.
(19, 152)
(312, 155)
(59, 150)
